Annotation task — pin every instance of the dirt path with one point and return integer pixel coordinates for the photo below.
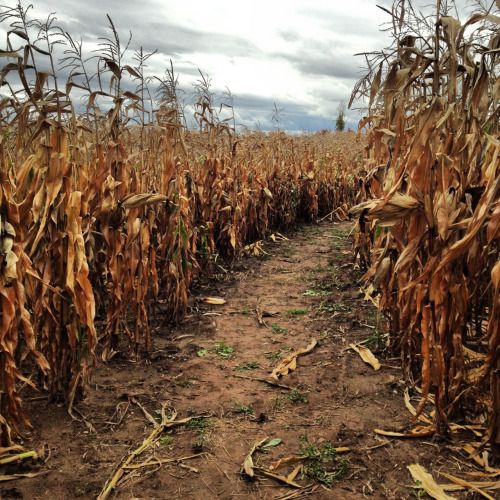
(304, 289)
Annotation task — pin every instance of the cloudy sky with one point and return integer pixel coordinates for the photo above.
(297, 53)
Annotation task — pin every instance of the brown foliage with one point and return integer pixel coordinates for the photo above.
(429, 234)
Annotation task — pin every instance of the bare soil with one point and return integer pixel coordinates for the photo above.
(305, 288)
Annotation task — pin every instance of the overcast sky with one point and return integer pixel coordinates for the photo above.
(297, 53)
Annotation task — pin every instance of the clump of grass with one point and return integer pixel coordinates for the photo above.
(320, 269)
(417, 491)
(278, 329)
(241, 409)
(295, 396)
(318, 462)
(328, 286)
(334, 307)
(166, 440)
(200, 425)
(297, 312)
(278, 403)
(223, 350)
(376, 340)
(251, 365)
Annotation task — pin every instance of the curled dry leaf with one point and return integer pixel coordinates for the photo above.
(140, 200)
(366, 355)
(289, 363)
(248, 464)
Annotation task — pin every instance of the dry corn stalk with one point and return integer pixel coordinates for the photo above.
(429, 234)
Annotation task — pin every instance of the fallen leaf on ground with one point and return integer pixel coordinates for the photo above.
(488, 475)
(427, 482)
(285, 461)
(248, 465)
(366, 355)
(216, 301)
(413, 410)
(474, 486)
(271, 443)
(278, 477)
(295, 472)
(19, 457)
(473, 454)
(13, 477)
(414, 433)
(289, 363)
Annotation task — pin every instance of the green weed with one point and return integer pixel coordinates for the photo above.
(223, 350)
(330, 307)
(319, 460)
(418, 492)
(220, 348)
(295, 396)
(376, 340)
(251, 365)
(243, 409)
(278, 329)
(297, 312)
(198, 423)
(166, 440)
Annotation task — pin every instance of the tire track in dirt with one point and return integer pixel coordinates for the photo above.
(304, 288)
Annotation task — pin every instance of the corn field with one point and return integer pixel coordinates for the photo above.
(429, 231)
(110, 210)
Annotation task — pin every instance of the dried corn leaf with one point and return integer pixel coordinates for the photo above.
(417, 432)
(413, 410)
(469, 485)
(285, 461)
(215, 301)
(480, 485)
(14, 477)
(366, 355)
(248, 465)
(278, 477)
(289, 363)
(294, 473)
(139, 200)
(427, 482)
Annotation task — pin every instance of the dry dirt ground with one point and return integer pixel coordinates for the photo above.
(305, 288)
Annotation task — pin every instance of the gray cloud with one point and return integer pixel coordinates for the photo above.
(301, 58)
(88, 19)
(325, 65)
